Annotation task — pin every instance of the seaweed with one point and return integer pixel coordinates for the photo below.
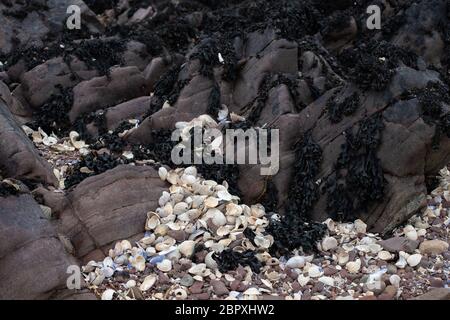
(359, 180)
(214, 104)
(229, 259)
(99, 6)
(337, 111)
(53, 115)
(294, 229)
(7, 189)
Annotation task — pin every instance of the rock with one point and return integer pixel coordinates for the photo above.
(196, 287)
(329, 243)
(414, 259)
(430, 247)
(100, 92)
(187, 280)
(219, 288)
(391, 291)
(391, 269)
(436, 283)
(397, 244)
(329, 271)
(435, 294)
(20, 159)
(29, 248)
(110, 206)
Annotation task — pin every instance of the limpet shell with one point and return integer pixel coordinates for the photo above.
(180, 293)
(165, 265)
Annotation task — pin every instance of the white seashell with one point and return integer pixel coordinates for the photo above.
(327, 281)
(233, 209)
(187, 248)
(162, 172)
(211, 202)
(375, 248)
(252, 292)
(296, 262)
(210, 262)
(412, 235)
(167, 210)
(165, 197)
(353, 266)
(187, 179)
(343, 257)
(172, 177)
(152, 221)
(263, 241)
(218, 218)
(126, 245)
(108, 294)
(138, 262)
(148, 282)
(121, 260)
(108, 272)
(161, 230)
(314, 271)
(191, 171)
(395, 280)
(198, 269)
(360, 226)
(73, 135)
(108, 262)
(224, 195)
(223, 231)
(130, 284)
(257, 211)
(180, 208)
(165, 265)
(401, 263)
(302, 280)
(90, 266)
(329, 243)
(197, 201)
(385, 255)
(414, 259)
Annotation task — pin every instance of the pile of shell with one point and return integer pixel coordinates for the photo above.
(194, 212)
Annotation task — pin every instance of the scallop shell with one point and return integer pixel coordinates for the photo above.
(188, 179)
(146, 241)
(165, 245)
(223, 231)
(161, 230)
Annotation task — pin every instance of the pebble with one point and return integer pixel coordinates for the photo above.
(219, 288)
(395, 280)
(187, 280)
(397, 244)
(430, 247)
(391, 291)
(437, 283)
(196, 287)
(329, 271)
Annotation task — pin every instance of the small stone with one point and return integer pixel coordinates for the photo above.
(391, 291)
(178, 235)
(397, 244)
(187, 280)
(329, 243)
(329, 271)
(430, 247)
(219, 288)
(391, 269)
(436, 294)
(196, 287)
(414, 259)
(436, 283)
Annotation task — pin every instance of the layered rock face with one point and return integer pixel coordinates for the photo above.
(363, 114)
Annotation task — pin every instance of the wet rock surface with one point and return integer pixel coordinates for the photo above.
(86, 118)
